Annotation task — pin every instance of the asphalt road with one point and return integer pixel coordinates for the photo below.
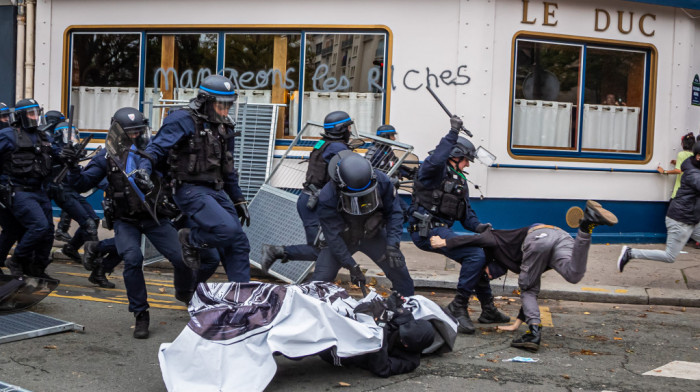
(586, 346)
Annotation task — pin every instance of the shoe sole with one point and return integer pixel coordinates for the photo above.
(531, 347)
(621, 266)
(609, 217)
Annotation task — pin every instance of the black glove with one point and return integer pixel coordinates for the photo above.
(374, 308)
(356, 276)
(394, 257)
(395, 301)
(482, 227)
(455, 124)
(142, 180)
(69, 155)
(242, 211)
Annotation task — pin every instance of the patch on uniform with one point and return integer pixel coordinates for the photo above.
(319, 144)
(677, 369)
(574, 216)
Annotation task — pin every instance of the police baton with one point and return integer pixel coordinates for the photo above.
(445, 108)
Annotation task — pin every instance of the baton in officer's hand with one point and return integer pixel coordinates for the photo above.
(465, 130)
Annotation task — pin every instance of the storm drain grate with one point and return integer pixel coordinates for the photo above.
(276, 222)
(26, 325)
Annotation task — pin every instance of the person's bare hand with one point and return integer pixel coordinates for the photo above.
(512, 327)
(437, 242)
(660, 169)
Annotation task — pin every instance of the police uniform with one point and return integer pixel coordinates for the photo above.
(200, 159)
(370, 234)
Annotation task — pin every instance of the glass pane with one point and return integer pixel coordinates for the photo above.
(175, 65)
(265, 69)
(104, 76)
(546, 92)
(614, 98)
(344, 72)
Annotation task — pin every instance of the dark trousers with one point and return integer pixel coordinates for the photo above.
(311, 225)
(327, 265)
(215, 224)
(127, 236)
(33, 211)
(472, 260)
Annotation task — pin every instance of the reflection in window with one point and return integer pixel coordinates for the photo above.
(104, 76)
(549, 106)
(175, 65)
(354, 84)
(265, 69)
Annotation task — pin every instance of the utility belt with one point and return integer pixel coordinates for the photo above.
(539, 227)
(26, 188)
(216, 185)
(417, 226)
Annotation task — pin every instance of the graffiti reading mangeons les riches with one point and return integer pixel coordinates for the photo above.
(411, 79)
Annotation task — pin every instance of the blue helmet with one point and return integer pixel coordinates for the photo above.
(215, 98)
(386, 130)
(28, 114)
(336, 125)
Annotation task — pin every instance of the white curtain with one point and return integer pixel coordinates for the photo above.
(541, 123)
(94, 106)
(365, 109)
(610, 127)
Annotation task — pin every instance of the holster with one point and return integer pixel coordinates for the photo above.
(108, 208)
(6, 196)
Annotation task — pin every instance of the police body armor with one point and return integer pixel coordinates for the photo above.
(447, 201)
(29, 159)
(317, 171)
(361, 227)
(202, 158)
(120, 197)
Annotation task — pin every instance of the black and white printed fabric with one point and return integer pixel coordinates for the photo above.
(236, 327)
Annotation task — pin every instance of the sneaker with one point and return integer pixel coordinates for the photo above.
(625, 257)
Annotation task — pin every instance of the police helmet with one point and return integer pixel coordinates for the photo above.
(134, 124)
(4, 115)
(28, 114)
(63, 136)
(386, 130)
(463, 149)
(336, 125)
(214, 100)
(54, 117)
(357, 183)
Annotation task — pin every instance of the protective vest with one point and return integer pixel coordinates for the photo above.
(125, 203)
(317, 172)
(29, 159)
(202, 157)
(447, 201)
(361, 227)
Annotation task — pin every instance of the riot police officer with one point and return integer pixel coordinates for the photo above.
(126, 211)
(197, 144)
(53, 118)
(334, 139)
(12, 230)
(441, 197)
(26, 156)
(74, 205)
(359, 211)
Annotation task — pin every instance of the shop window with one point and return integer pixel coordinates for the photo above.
(104, 76)
(552, 115)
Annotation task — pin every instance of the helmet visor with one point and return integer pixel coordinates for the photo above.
(31, 117)
(139, 135)
(61, 131)
(360, 203)
(4, 119)
(221, 109)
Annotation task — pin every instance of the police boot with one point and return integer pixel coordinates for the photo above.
(596, 215)
(141, 326)
(190, 254)
(15, 266)
(458, 309)
(184, 296)
(90, 255)
(99, 278)
(530, 341)
(61, 233)
(270, 254)
(72, 253)
(490, 313)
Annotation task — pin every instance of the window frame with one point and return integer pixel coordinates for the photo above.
(222, 30)
(578, 153)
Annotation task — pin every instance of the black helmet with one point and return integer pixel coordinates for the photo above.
(28, 114)
(54, 117)
(134, 124)
(61, 134)
(4, 115)
(356, 181)
(416, 335)
(463, 149)
(215, 92)
(336, 125)
(386, 130)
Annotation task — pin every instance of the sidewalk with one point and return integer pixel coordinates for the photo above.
(643, 282)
